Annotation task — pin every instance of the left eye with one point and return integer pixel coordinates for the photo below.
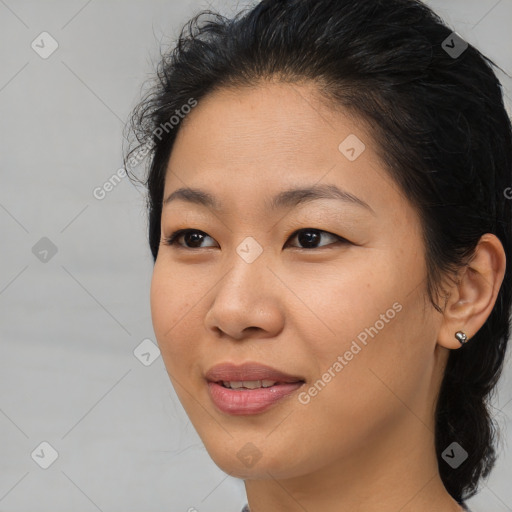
(310, 236)
(306, 236)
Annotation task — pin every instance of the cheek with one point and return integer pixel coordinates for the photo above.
(369, 318)
(383, 351)
(172, 315)
(343, 303)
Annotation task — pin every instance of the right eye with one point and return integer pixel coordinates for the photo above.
(191, 236)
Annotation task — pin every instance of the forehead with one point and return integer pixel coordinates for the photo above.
(265, 139)
(281, 115)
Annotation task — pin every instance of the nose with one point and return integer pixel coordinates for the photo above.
(247, 302)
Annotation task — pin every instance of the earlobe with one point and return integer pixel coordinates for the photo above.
(472, 297)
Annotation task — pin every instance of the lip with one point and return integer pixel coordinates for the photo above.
(249, 401)
(249, 371)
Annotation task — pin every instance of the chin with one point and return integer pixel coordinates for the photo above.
(242, 459)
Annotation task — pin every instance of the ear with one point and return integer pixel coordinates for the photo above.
(472, 298)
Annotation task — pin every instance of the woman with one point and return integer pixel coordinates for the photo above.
(332, 236)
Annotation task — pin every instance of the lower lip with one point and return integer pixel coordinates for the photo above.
(249, 401)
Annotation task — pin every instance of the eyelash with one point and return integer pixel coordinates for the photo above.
(172, 239)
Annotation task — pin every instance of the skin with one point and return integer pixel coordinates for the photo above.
(366, 441)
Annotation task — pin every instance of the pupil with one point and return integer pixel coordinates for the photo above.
(305, 237)
(188, 236)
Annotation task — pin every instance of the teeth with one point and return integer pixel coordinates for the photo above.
(252, 384)
(248, 384)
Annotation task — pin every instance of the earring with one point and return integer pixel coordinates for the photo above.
(461, 336)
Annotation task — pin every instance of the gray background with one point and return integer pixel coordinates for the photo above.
(70, 321)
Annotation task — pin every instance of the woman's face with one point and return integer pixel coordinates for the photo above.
(340, 305)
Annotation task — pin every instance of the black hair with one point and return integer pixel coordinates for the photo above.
(441, 129)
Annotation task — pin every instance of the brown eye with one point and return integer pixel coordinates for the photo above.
(192, 238)
(310, 237)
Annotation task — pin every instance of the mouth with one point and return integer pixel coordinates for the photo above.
(249, 373)
(250, 388)
(249, 384)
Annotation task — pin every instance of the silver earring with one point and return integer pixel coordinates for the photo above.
(461, 336)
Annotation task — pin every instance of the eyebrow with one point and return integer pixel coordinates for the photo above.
(285, 199)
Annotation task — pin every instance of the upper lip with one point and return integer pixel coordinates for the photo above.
(248, 371)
